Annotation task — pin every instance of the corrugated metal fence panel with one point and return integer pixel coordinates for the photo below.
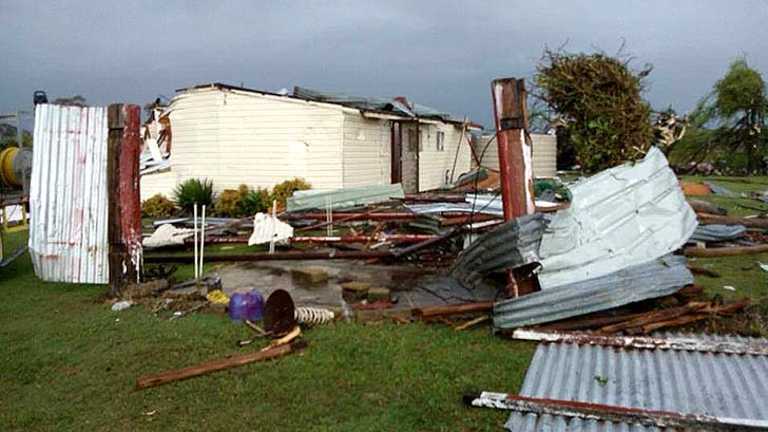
(68, 194)
(724, 385)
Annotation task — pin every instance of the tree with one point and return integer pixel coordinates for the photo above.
(728, 123)
(604, 119)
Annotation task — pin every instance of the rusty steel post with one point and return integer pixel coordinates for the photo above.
(510, 114)
(515, 167)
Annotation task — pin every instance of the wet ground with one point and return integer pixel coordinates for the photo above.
(410, 286)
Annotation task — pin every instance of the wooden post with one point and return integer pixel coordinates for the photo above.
(510, 113)
(124, 209)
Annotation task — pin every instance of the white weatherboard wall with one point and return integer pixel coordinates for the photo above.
(435, 167)
(234, 137)
(544, 154)
(68, 195)
(367, 147)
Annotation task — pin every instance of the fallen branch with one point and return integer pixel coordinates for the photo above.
(471, 323)
(703, 271)
(293, 334)
(166, 377)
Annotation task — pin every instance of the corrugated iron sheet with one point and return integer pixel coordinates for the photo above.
(716, 233)
(341, 198)
(630, 214)
(660, 277)
(512, 244)
(68, 194)
(690, 382)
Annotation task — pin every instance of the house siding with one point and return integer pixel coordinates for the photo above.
(367, 146)
(234, 137)
(544, 154)
(437, 166)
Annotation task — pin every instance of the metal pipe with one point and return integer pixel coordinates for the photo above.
(202, 244)
(194, 213)
(394, 238)
(347, 216)
(277, 256)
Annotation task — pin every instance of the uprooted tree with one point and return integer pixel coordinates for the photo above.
(597, 98)
(727, 125)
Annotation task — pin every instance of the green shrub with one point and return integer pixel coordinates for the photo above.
(228, 203)
(607, 120)
(255, 201)
(193, 191)
(158, 206)
(282, 191)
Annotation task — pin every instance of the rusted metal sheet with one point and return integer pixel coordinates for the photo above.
(585, 411)
(68, 194)
(730, 387)
(673, 342)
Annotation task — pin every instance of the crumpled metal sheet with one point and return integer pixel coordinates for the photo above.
(342, 198)
(660, 277)
(689, 382)
(510, 245)
(717, 233)
(68, 194)
(268, 229)
(618, 218)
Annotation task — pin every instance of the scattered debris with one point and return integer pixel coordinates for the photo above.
(122, 305)
(729, 288)
(312, 316)
(267, 229)
(725, 251)
(154, 380)
(341, 198)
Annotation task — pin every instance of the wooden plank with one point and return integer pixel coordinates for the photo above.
(707, 218)
(725, 251)
(166, 377)
(448, 310)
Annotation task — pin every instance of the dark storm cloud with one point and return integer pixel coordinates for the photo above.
(442, 54)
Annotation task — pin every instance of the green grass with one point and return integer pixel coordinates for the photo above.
(740, 272)
(69, 363)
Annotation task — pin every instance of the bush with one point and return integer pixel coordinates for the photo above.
(255, 201)
(228, 203)
(158, 206)
(607, 121)
(193, 191)
(282, 191)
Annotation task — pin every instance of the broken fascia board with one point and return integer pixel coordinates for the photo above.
(621, 217)
(341, 198)
(267, 229)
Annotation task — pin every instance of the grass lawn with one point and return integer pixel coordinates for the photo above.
(67, 362)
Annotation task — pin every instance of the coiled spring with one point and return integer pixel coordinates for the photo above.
(313, 316)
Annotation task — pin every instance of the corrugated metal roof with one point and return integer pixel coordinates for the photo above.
(620, 217)
(715, 233)
(341, 198)
(510, 245)
(690, 382)
(660, 277)
(68, 194)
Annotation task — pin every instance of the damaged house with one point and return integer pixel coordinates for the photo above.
(234, 135)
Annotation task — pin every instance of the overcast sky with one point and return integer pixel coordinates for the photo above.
(442, 54)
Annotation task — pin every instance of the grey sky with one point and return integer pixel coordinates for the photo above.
(442, 54)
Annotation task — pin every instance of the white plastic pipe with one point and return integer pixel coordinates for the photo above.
(202, 243)
(195, 230)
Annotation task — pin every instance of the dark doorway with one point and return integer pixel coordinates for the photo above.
(396, 153)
